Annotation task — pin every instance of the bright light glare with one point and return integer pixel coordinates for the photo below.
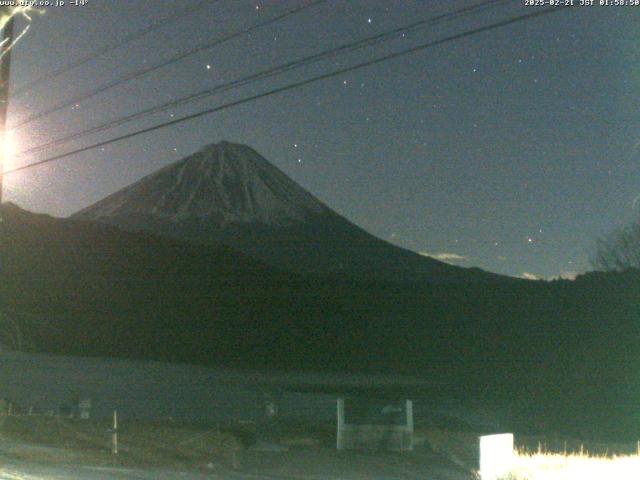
(548, 466)
(499, 461)
(9, 144)
(9, 149)
(496, 455)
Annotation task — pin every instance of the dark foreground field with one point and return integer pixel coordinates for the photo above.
(52, 445)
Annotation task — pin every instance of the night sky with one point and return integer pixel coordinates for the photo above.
(511, 150)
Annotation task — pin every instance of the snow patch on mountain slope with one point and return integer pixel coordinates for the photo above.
(225, 182)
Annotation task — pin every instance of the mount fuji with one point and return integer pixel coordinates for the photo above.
(229, 194)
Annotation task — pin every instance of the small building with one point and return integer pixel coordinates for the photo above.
(372, 424)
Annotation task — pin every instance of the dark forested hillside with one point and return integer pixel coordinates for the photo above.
(539, 347)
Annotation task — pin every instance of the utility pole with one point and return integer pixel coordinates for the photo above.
(5, 73)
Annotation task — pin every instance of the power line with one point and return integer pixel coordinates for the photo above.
(171, 18)
(345, 48)
(165, 63)
(292, 86)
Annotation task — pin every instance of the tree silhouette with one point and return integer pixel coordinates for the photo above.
(619, 250)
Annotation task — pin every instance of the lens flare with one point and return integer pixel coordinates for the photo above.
(9, 146)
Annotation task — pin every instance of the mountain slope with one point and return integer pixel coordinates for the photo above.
(229, 194)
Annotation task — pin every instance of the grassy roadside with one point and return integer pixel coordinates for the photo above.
(56, 439)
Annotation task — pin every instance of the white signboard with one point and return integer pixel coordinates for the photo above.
(496, 456)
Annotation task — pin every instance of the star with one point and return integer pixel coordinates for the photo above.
(208, 67)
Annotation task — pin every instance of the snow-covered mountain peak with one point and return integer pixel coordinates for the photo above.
(224, 182)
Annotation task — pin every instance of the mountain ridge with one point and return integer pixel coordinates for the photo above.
(229, 194)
